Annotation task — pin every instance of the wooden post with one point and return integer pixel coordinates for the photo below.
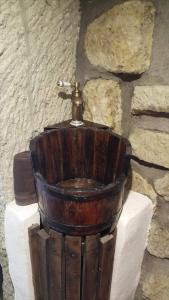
(106, 258)
(71, 267)
(56, 268)
(34, 252)
(44, 263)
(90, 267)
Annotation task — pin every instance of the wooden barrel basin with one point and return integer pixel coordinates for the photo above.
(80, 175)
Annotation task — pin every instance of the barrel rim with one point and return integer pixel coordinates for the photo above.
(71, 195)
(109, 188)
(107, 129)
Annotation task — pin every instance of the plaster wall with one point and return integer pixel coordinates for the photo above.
(37, 47)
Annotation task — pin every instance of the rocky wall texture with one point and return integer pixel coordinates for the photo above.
(37, 47)
(125, 44)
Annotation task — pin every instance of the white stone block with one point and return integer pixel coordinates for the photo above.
(17, 221)
(130, 245)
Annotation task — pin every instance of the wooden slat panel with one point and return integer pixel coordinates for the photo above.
(44, 267)
(90, 268)
(35, 261)
(63, 271)
(73, 267)
(56, 284)
(106, 257)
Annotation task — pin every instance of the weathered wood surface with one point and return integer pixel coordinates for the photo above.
(69, 267)
(44, 263)
(24, 181)
(73, 267)
(57, 273)
(106, 258)
(90, 268)
(80, 174)
(35, 259)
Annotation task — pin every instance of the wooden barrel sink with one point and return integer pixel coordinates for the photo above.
(80, 175)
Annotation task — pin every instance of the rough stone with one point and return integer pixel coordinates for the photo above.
(150, 99)
(161, 186)
(158, 242)
(150, 146)
(38, 47)
(120, 40)
(140, 185)
(154, 284)
(103, 103)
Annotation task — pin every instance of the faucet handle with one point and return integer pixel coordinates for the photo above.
(75, 85)
(62, 83)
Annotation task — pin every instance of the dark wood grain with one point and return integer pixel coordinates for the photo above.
(73, 267)
(69, 267)
(24, 182)
(100, 160)
(106, 259)
(66, 160)
(35, 259)
(90, 267)
(56, 272)
(44, 263)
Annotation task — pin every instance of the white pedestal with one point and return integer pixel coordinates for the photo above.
(17, 221)
(131, 242)
(130, 245)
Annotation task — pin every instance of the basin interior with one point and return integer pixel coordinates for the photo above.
(79, 158)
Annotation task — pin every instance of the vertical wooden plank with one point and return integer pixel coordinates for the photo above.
(73, 267)
(56, 284)
(1, 282)
(63, 270)
(89, 153)
(106, 258)
(35, 261)
(90, 267)
(44, 268)
(101, 141)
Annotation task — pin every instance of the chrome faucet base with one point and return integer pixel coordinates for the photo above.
(76, 123)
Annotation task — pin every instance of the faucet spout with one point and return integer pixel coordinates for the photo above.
(77, 106)
(77, 102)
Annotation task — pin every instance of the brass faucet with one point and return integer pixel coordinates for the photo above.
(77, 102)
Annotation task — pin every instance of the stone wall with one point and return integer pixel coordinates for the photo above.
(37, 47)
(122, 63)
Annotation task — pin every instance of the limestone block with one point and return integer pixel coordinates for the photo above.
(158, 243)
(155, 279)
(17, 221)
(103, 103)
(161, 186)
(120, 40)
(150, 98)
(140, 185)
(150, 146)
(130, 245)
(157, 286)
